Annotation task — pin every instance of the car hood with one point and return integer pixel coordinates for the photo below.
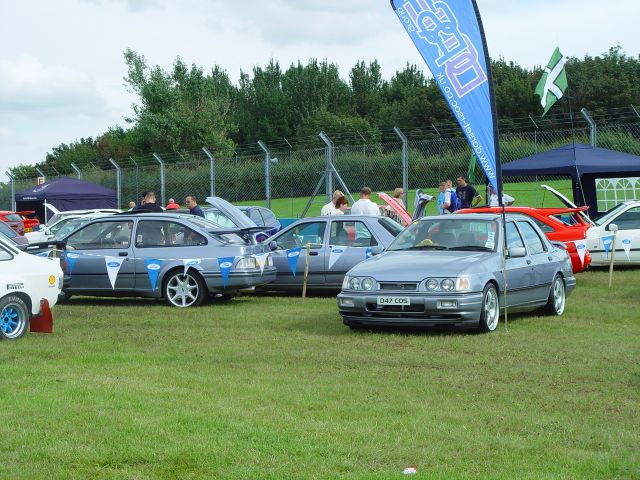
(417, 265)
(231, 211)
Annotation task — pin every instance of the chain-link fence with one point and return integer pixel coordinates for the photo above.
(410, 158)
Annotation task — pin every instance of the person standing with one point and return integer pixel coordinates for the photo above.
(468, 195)
(172, 205)
(342, 204)
(398, 194)
(330, 208)
(364, 206)
(444, 199)
(507, 200)
(148, 204)
(192, 204)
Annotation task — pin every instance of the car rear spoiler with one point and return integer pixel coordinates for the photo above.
(35, 248)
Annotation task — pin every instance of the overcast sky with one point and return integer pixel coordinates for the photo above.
(62, 67)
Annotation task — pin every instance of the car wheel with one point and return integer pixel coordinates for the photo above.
(14, 318)
(490, 312)
(557, 297)
(184, 290)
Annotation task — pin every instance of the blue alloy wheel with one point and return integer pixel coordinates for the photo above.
(14, 318)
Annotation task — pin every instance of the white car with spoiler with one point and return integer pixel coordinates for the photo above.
(29, 287)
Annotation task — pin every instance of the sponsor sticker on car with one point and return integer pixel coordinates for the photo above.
(15, 286)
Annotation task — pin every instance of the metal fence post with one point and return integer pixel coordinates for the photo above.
(405, 164)
(157, 157)
(13, 191)
(535, 133)
(267, 172)
(118, 180)
(328, 162)
(41, 173)
(212, 171)
(75, 167)
(592, 126)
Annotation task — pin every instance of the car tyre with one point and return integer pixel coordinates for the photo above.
(14, 317)
(184, 290)
(557, 297)
(490, 310)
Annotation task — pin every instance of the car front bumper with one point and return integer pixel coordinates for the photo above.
(425, 310)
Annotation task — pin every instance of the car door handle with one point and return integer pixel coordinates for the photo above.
(550, 258)
(123, 254)
(528, 262)
(313, 253)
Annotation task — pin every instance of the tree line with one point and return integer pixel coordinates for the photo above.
(186, 108)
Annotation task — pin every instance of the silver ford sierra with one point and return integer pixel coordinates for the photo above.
(447, 271)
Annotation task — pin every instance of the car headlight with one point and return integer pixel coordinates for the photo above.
(463, 284)
(432, 284)
(246, 263)
(368, 283)
(447, 285)
(354, 283)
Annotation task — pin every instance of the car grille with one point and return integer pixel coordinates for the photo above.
(397, 286)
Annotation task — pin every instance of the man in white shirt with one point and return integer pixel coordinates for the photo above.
(330, 208)
(365, 206)
(507, 200)
(444, 199)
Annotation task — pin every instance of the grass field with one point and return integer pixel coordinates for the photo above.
(526, 194)
(270, 387)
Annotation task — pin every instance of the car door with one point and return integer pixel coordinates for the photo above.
(627, 236)
(349, 242)
(87, 253)
(542, 261)
(519, 270)
(167, 241)
(298, 235)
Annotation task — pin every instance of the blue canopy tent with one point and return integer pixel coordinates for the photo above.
(583, 163)
(66, 194)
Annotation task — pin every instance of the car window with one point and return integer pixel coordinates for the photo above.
(7, 230)
(351, 233)
(513, 236)
(216, 216)
(268, 216)
(254, 214)
(101, 235)
(71, 226)
(160, 233)
(532, 239)
(300, 235)
(629, 220)
(543, 226)
(394, 228)
(54, 228)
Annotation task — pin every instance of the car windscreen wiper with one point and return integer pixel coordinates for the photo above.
(472, 248)
(427, 247)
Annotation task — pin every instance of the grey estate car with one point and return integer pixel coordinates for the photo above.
(178, 257)
(337, 243)
(447, 271)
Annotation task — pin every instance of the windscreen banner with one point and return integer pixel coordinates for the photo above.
(449, 36)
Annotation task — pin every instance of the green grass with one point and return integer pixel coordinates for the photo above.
(525, 193)
(270, 387)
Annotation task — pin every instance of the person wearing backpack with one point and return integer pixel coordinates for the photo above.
(468, 195)
(444, 199)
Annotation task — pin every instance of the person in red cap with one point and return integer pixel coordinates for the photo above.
(172, 205)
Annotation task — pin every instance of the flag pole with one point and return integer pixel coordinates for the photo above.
(496, 144)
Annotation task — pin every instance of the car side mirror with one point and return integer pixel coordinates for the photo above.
(612, 227)
(377, 250)
(517, 252)
(47, 232)
(273, 245)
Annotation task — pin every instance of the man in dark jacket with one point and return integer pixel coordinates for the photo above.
(149, 204)
(192, 204)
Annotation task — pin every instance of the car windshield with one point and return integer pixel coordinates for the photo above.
(205, 222)
(448, 234)
(7, 230)
(68, 226)
(610, 214)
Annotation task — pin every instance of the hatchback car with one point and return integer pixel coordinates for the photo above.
(19, 240)
(13, 220)
(181, 258)
(558, 224)
(448, 271)
(627, 218)
(336, 244)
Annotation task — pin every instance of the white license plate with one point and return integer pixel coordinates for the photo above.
(394, 301)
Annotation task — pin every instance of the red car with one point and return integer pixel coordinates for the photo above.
(14, 220)
(559, 224)
(29, 223)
